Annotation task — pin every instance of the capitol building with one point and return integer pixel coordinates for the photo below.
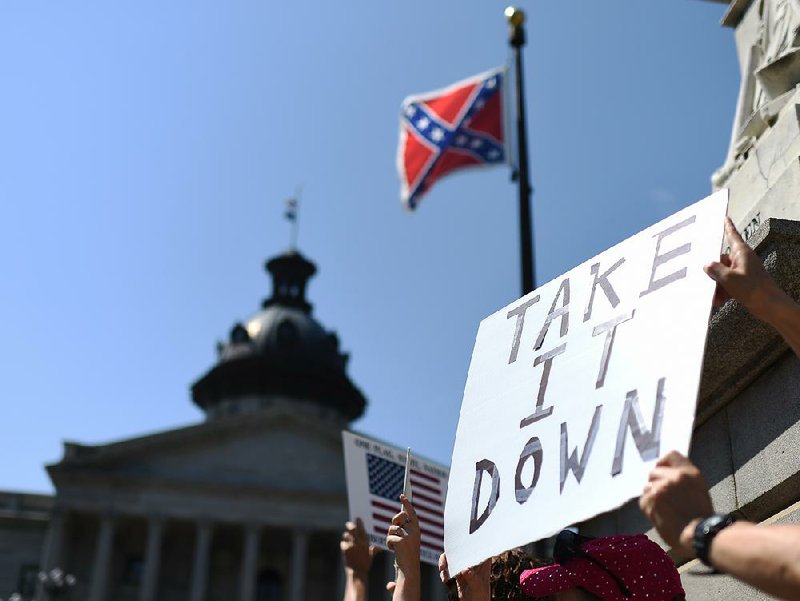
(248, 505)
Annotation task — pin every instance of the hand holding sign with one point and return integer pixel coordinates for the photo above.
(741, 275)
(674, 496)
(472, 584)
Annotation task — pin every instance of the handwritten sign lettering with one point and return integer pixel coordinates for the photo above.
(577, 388)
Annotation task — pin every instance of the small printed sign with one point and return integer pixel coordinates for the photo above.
(376, 474)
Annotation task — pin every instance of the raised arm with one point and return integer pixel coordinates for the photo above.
(403, 538)
(741, 275)
(676, 499)
(473, 584)
(357, 555)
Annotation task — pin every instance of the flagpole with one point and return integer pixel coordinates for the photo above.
(516, 38)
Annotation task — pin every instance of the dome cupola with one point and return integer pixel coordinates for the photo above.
(281, 355)
(290, 273)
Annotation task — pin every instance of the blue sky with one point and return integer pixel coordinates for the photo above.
(147, 149)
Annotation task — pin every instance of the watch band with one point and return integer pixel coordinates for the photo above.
(704, 534)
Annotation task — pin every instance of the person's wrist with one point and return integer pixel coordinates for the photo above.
(411, 567)
(770, 303)
(408, 575)
(706, 532)
(355, 573)
(686, 538)
(780, 308)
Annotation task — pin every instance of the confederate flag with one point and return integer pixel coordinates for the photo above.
(440, 132)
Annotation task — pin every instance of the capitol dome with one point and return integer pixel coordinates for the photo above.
(281, 352)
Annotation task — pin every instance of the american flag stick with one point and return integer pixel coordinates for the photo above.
(406, 492)
(407, 479)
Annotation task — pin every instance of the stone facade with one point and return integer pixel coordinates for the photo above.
(23, 525)
(245, 507)
(762, 168)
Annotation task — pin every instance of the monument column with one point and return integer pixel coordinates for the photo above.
(52, 552)
(202, 548)
(247, 585)
(152, 559)
(299, 557)
(98, 588)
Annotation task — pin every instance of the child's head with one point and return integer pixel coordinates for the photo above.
(611, 568)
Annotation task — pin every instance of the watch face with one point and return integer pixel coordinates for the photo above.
(705, 532)
(710, 523)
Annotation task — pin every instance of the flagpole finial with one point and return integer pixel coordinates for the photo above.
(515, 16)
(516, 20)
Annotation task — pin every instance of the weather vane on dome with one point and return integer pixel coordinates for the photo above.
(292, 207)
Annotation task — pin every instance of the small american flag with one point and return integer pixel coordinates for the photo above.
(385, 486)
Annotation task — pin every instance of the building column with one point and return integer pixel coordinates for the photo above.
(299, 559)
(202, 548)
(152, 559)
(98, 587)
(52, 550)
(252, 541)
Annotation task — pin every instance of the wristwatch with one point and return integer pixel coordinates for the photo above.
(706, 530)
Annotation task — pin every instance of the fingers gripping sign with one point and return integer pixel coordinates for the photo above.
(444, 573)
(741, 275)
(674, 498)
(473, 584)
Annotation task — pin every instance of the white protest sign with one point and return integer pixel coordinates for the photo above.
(577, 388)
(375, 479)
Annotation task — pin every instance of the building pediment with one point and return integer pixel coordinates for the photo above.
(274, 450)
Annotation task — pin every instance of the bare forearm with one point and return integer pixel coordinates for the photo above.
(784, 316)
(355, 587)
(408, 587)
(766, 557)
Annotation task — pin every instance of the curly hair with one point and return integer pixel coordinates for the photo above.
(506, 570)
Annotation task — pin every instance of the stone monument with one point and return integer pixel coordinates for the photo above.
(762, 168)
(747, 424)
